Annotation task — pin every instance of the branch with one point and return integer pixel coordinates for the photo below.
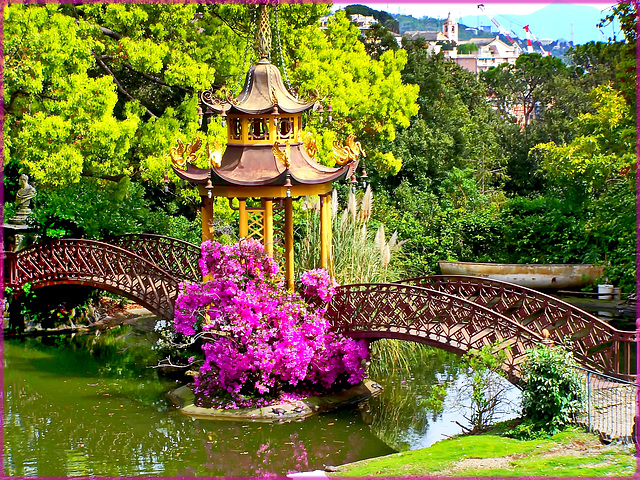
(225, 21)
(112, 178)
(157, 80)
(115, 80)
(166, 362)
(110, 33)
(14, 96)
(464, 429)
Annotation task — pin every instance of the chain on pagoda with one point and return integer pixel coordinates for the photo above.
(266, 159)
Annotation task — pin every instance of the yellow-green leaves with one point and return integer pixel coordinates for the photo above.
(367, 96)
(605, 147)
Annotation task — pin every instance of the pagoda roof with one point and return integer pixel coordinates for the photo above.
(263, 90)
(255, 166)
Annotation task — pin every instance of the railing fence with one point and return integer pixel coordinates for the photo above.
(610, 408)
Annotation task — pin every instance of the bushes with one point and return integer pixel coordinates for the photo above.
(553, 392)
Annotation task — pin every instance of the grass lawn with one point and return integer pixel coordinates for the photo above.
(570, 453)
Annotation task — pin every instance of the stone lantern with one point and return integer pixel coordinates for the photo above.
(267, 158)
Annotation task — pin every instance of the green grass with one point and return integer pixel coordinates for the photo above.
(570, 453)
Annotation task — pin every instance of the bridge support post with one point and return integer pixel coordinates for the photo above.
(206, 215)
(326, 261)
(288, 241)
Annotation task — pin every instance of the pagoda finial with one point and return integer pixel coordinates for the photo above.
(263, 34)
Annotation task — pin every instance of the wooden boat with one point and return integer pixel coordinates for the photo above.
(528, 275)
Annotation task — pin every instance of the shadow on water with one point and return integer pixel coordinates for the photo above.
(417, 407)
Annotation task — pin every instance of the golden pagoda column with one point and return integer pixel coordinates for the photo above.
(288, 242)
(244, 218)
(267, 225)
(325, 232)
(206, 215)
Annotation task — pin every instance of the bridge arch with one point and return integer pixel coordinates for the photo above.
(95, 264)
(177, 257)
(595, 344)
(423, 315)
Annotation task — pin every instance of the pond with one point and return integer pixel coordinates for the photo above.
(88, 405)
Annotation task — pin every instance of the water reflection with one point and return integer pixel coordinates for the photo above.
(69, 412)
(415, 410)
(89, 406)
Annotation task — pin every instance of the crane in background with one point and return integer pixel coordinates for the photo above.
(501, 29)
(530, 46)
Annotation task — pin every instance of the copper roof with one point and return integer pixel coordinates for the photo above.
(263, 89)
(250, 166)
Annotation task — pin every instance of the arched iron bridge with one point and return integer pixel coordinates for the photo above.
(455, 313)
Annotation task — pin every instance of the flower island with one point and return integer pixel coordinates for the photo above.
(266, 352)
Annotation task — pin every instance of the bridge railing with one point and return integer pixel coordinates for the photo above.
(611, 406)
(595, 343)
(97, 264)
(176, 256)
(428, 316)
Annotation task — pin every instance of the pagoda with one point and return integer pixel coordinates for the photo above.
(266, 159)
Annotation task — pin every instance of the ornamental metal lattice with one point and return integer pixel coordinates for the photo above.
(95, 264)
(408, 312)
(455, 313)
(595, 343)
(177, 257)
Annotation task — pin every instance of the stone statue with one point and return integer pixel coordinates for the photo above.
(23, 200)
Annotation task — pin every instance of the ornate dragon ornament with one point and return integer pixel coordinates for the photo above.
(283, 156)
(188, 153)
(310, 146)
(183, 154)
(214, 156)
(343, 154)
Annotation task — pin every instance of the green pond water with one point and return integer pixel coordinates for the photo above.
(88, 405)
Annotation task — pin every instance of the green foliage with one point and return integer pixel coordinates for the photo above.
(368, 97)
(583, 167)
(92, 209)
(529, 83)
(552, 388)
(527, 429)
(378, 39)
(384, 19)
(454, 127)
(525, 457)
(467, 48)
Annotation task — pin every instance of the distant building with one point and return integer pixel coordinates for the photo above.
(363, 22)
(450, 29)
(491, 53)
(429, 36)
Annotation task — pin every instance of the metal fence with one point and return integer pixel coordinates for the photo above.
(610, 407)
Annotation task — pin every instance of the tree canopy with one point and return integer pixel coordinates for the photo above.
(100, 92)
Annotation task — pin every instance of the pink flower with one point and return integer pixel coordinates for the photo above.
(262, 341)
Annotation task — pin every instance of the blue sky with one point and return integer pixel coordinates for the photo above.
(505, 12)
(460, 9)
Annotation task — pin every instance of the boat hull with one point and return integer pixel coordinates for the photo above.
(537, 276)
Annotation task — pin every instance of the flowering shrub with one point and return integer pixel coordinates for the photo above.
(259, 340)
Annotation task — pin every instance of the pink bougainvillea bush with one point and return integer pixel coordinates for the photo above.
(260, 341)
